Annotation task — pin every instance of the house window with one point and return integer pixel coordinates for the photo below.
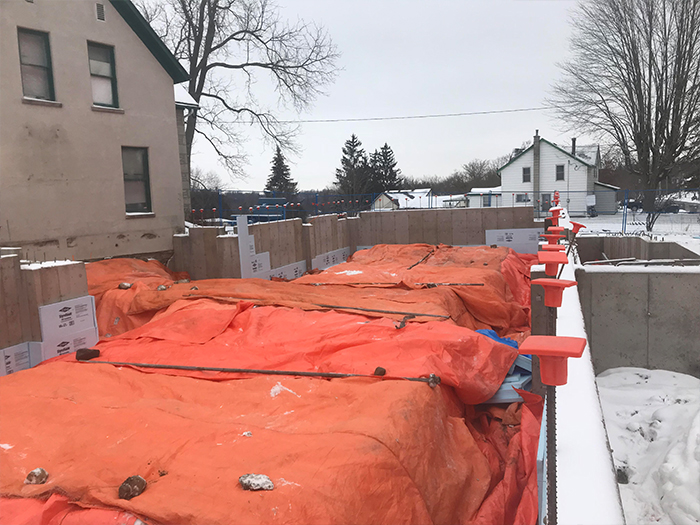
(526, 174)
(103, 75)
(522, 197)
(486, 201)
(137, 187)
(560, 171)
(35, 64)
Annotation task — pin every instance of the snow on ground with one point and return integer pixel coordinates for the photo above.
(653, 423)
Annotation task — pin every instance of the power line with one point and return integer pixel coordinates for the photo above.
(413, 117)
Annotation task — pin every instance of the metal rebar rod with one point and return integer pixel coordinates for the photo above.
(432, 379)
(551, 455)
(423, 259)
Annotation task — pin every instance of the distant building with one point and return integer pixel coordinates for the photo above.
(485, 197)
(90, 164)
(533, 174)
(404, 199)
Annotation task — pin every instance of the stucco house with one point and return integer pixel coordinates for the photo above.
(533, 174)
(89, 154)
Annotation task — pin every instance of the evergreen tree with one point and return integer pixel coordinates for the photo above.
(279, 180)
(353, 177)
(385, 174)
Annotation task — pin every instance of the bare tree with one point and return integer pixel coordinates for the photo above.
(199, 180)
(227, 46)
(634, 77)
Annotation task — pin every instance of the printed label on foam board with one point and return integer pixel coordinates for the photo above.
(14, 359)
(326, 260)
(521, 240)
(69, 343)
(67, 317)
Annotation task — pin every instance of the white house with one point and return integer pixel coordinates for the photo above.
(405, 199)
(533, 174)
(485, 198)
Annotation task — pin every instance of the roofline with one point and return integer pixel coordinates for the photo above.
(606, 185)
(523, 152)
(148, 36)
(578, 159)
(567, 153)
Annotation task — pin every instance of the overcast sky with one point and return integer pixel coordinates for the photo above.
(411, 57)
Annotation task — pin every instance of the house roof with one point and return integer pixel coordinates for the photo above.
(419, 198)
(479, 191)
(579, 158)
(155, 45)
(183, 98)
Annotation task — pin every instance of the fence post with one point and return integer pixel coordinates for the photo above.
(624, 212)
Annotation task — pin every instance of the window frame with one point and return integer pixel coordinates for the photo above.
(529, 174)
(522, 198)
(49, 62)
(556, 172)
(147, 182)
(113, 78)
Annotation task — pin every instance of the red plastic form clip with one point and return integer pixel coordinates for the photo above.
(553, 290)
(553, 247)
(553, 352)
(551, 261)
(552, 238)
(576, 226)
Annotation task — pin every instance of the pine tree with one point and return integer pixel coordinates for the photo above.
(279, 180)
(353, 177)
(385, 174)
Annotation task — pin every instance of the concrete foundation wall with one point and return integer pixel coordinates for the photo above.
(642, 317)
(593, 248)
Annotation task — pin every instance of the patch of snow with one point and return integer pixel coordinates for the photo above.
(47, 264)
(247, 433)
(6, 447)
(653, 423)
(279, 388)
(587, 492)
(349, 272)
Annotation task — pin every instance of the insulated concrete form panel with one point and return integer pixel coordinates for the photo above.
(476, 233)
(415, 227)
(444, 226)
(430, 226)
(674, 321)
(227, 249)
(489, 220)
(618, 316)
(459, 227)
(388, 228)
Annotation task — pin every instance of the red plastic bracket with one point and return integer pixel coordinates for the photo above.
(553, 247)
(556, 229)
(576, 226)
(555, 220)
(551, 261)
(553, 290)
(553, 352)
(555, 212)
(552, 238)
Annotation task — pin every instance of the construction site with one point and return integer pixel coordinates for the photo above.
(426, 366)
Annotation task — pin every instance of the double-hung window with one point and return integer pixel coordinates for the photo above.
(526, 174)
(137, 186)
(560, 171)
(103, 75)
(35, 64)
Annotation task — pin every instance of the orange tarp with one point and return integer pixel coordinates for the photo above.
(341, 451)
(352, 450)
(502, 303)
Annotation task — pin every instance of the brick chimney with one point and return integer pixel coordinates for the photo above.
(536, 168)
(573, 146)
